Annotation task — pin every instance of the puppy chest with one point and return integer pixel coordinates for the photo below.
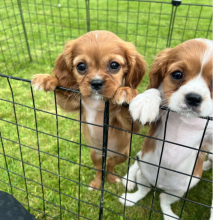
(93, 115)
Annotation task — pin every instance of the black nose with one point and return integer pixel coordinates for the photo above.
(97, 84)
(193, 99)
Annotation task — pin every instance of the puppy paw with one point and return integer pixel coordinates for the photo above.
(112, 178)
(145, 107)
(96, 183)
(124, 95)
(207, 165)
(130, 185)
(129, 198)
(44, 82)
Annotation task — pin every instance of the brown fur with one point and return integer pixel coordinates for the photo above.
(97, 49)
(149, 143)
(199, 165)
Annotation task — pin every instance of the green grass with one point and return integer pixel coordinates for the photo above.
(48, 28)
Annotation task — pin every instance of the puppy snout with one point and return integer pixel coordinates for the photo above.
(97, 84)
(193, 99)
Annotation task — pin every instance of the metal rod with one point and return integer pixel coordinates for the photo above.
(87, 2)
(24, 28)
(104, 155)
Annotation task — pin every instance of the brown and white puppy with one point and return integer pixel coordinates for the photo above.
(181, 79)
(102, 67)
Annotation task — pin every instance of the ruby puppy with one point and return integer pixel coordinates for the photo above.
(181, 79)
(102, 67)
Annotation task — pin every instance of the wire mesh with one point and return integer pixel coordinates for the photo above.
(44, 159)
(27, 174)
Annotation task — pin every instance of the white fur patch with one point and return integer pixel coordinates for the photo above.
(91, 112)
(97, 76)
(97, 96)
(145, 107)
(131, 176)
(37, 87)
(118, 180)
(208, 53)
(90, 188)
(129, 197)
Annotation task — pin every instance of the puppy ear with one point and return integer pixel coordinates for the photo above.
(136, 67)
(63, 69)
(159, 68)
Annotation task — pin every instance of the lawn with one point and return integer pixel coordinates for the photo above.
(48, 27)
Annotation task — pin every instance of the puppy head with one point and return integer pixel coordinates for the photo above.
(185, 76)
(98, 63)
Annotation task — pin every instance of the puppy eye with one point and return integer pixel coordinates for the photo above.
(81, 67)
(177, 75)
(114, 66)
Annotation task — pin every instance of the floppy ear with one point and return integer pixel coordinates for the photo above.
(158, 68)
(136, 67)
(63, 69)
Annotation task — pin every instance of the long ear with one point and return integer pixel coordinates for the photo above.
(158, 68)
(136, 67)
(63, 69)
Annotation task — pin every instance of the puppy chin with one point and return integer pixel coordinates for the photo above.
(97, 96)
(190, 112)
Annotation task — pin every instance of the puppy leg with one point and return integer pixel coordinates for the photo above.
(44, 82)
(97, 161)
(111, 163)
(132, 174)
(165, 203)
(140, 194)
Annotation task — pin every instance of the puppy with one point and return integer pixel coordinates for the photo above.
(181, 79)
(102, 67)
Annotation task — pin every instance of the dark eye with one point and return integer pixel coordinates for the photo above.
(177, 75)
(81, 67)
(114, 66)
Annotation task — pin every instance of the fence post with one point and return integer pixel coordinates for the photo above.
(25, 32)
(87, 2)
(104, 155)
(175, 4)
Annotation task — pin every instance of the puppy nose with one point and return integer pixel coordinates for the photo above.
(193, 99)
(97, 84)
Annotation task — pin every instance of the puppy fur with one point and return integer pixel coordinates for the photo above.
(181, 79)
(89, 64)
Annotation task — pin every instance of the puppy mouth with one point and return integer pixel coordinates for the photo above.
(188, 111)
(96, 95)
